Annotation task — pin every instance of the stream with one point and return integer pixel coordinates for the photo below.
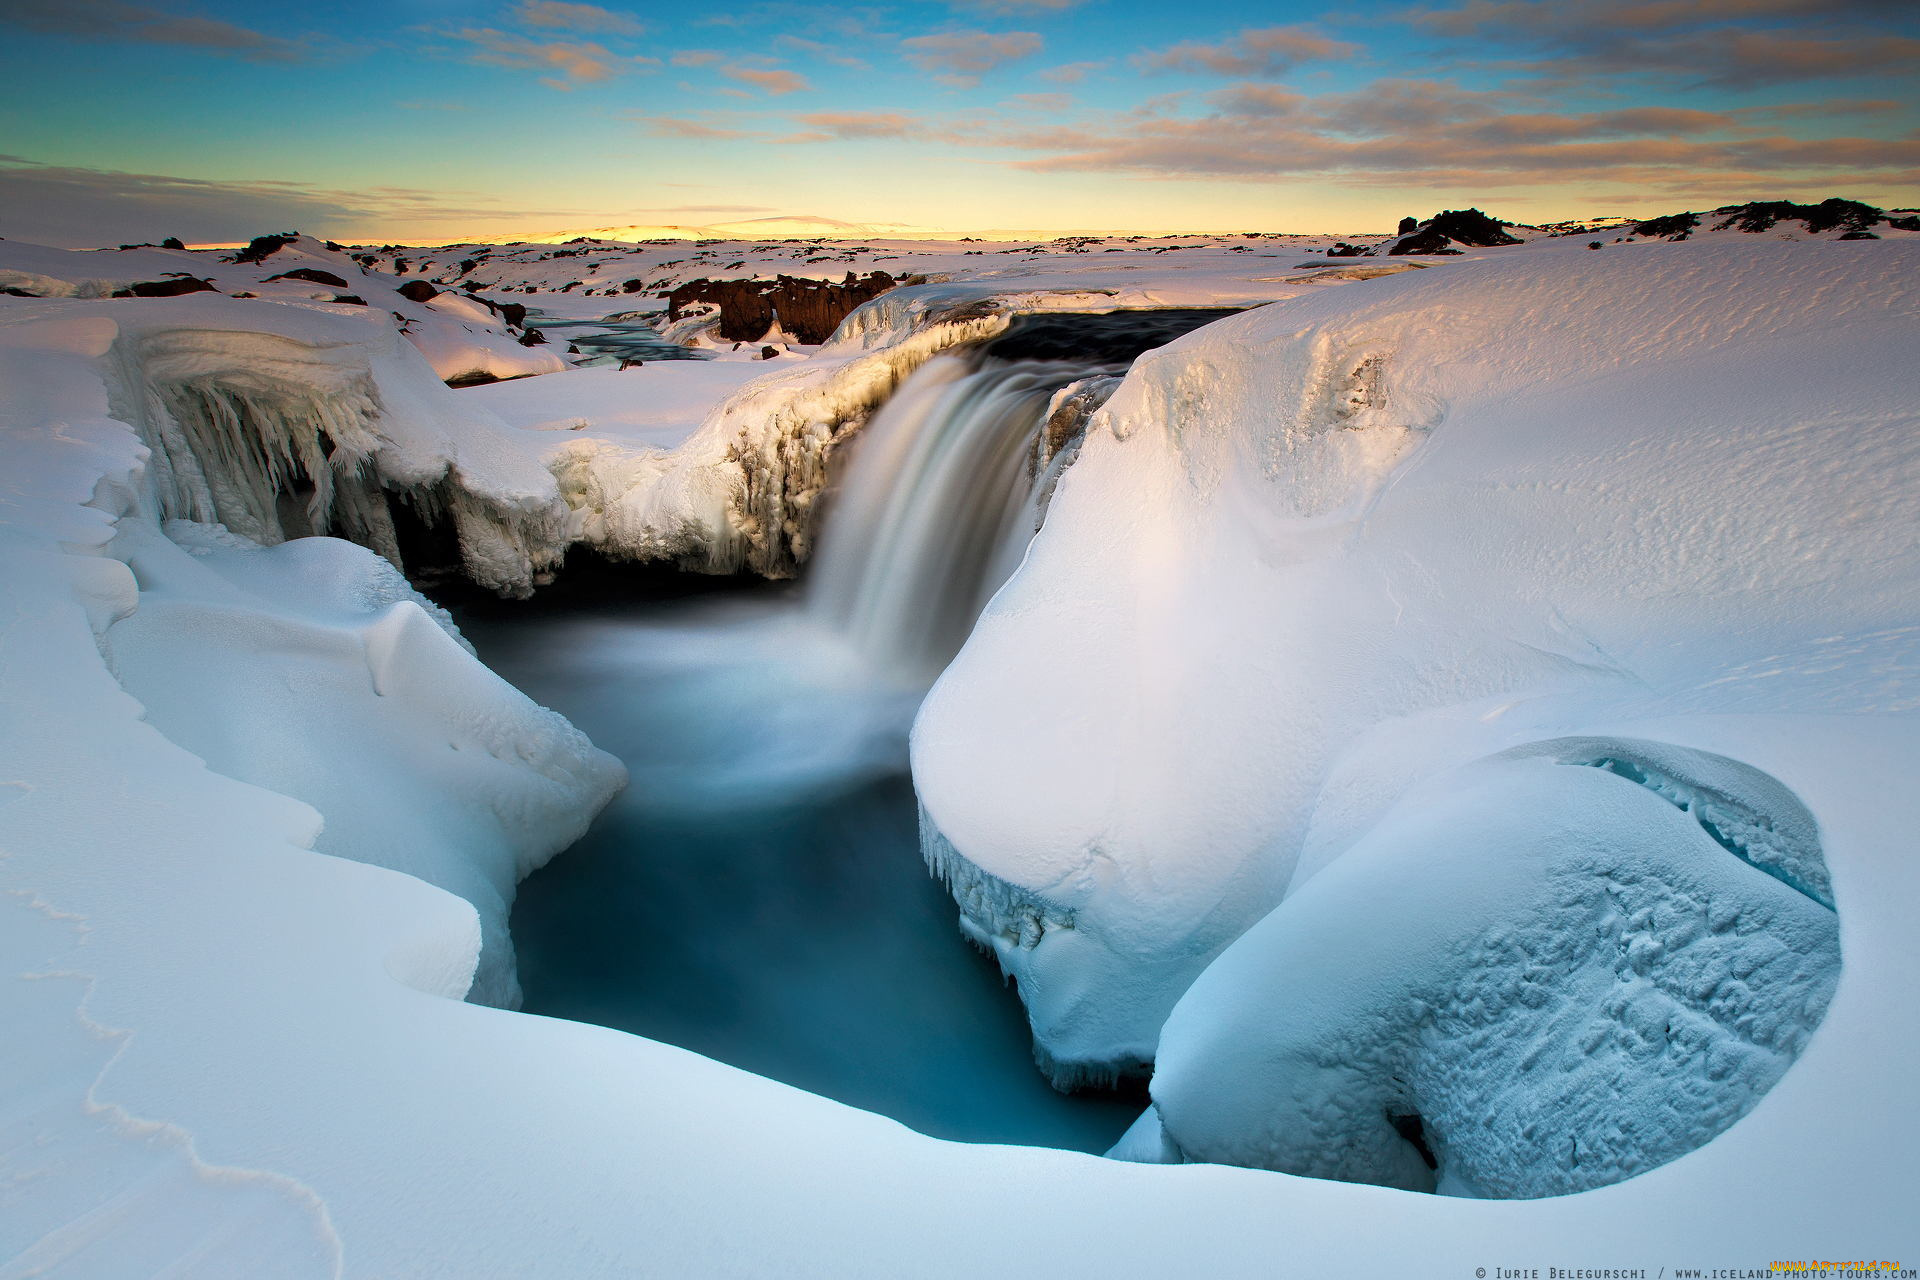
(757, 893)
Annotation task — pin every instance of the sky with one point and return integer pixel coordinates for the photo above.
(433, 121)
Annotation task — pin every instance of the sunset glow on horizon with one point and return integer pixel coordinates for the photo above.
(429, 121)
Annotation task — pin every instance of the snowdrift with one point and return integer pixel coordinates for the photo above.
(464, 338)
(231, 1054)
(1314, 556)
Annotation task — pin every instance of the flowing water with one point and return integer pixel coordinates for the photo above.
(756, 894)
(610, 342)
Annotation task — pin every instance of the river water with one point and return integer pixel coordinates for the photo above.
(757, 894)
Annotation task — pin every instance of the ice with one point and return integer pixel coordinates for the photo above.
(1554, 978)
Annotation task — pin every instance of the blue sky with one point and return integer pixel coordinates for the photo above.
(431, 120)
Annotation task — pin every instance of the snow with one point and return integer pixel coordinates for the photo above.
(1313, 554)
(1562, 974)
(313, 669)
(460, 337)
(232, 1054)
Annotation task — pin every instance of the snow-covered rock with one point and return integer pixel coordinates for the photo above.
(463, 338)
(1540, 974)
(1318, 552)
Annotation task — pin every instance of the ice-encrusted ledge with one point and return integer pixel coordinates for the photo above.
(1008, 923)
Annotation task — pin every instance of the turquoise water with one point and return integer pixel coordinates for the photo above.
(757, 894)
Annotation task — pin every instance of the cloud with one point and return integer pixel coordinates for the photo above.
(113, 20)
(819, 50)
(773, 80)
(831, 126)
(1039, 103)
(1434, 134)
(560, 15)
(676, 127)
(1263, 51)
(1017, 6)
(698, 57)
(79, 207)
(967, 55)
(1706, 43)
(1259, 100)
(1070, 72)
(575, 61)
(1577, 19)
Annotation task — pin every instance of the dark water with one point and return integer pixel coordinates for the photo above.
(611, 341)
(757, 894)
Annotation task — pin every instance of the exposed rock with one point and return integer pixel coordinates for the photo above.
(313, 274)
(1408, 226)
(533, 338)
(349, 299)
(263, 247)
(1828, 215)
(172, 242)
(1341, 249)
(1675, 226)
(165, 288)
(806, 310)
(1441, 232)
(514, 313)
(418, 291)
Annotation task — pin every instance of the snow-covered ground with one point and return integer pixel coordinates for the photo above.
(1321, 578)
(1317, 555)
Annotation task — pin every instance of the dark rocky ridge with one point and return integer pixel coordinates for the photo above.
(1441, 232)
(807, 310)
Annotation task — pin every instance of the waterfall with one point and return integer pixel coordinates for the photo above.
(935, 508)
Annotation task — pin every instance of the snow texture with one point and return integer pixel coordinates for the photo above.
(1537, 976)
(1312, 554)
(232, 1055)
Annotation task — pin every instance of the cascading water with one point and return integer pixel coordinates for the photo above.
(757, 893)
(935, 509)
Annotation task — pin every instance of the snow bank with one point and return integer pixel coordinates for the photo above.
(310, 668)
(1540, 974)
(282, 421)
(461, 337)
(1313, 554)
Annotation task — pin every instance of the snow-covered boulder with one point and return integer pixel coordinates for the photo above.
(284, 420)
(1313, 554)
(1541, 973)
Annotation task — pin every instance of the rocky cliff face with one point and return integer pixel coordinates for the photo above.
(808, 311)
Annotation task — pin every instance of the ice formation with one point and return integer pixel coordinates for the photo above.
(1542, 973)
(311, 667)
(1317, 552)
